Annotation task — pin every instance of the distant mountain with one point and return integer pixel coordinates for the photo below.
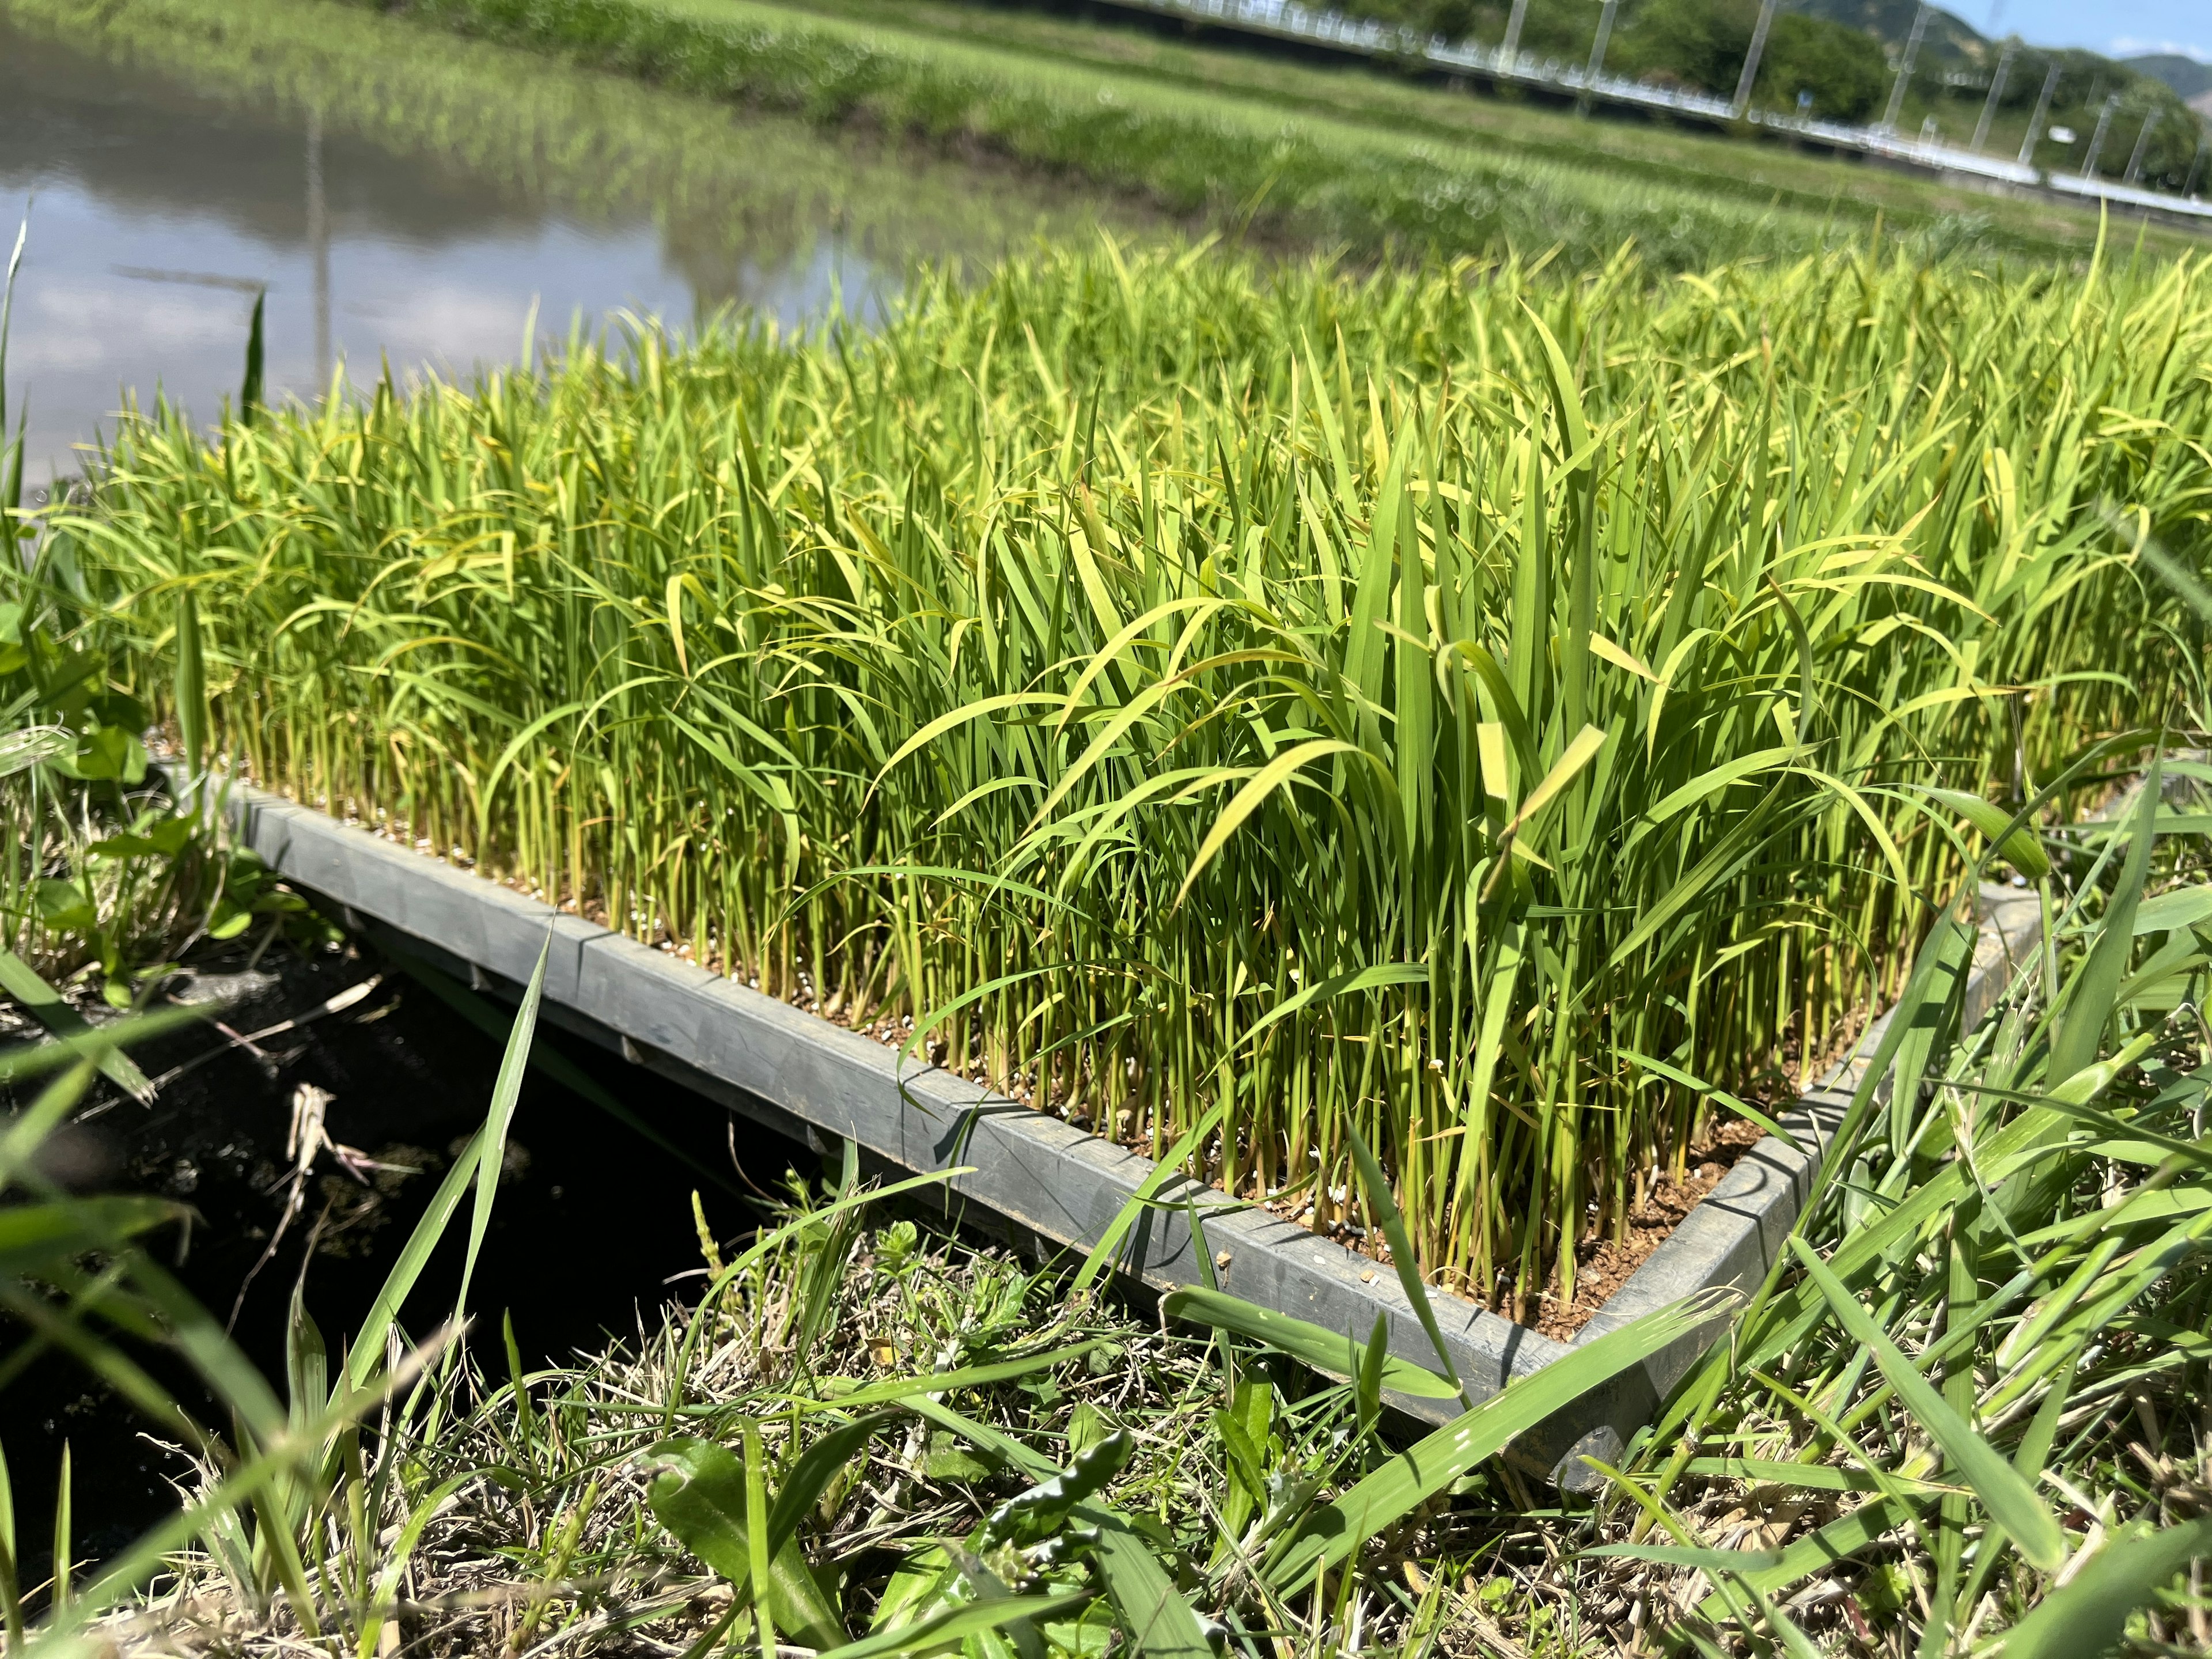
(2191, 79)
(1950, 37)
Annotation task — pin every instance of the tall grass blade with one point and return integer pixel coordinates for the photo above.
(1326, 1537)
(507, 1088)
(1334, 1353)
(2095, 990)
(2010, 1500)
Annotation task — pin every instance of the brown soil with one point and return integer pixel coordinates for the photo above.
(1602, 1267)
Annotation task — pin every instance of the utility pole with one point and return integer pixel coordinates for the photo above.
(2104, 126)
(319, 248)
(1598, 45)
(1997, 91)
(2042, 113)
(1904, 68)
(2142, 143)
(1751, 62)
(1510, 52)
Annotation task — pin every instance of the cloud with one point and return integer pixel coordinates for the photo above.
(2129, 45)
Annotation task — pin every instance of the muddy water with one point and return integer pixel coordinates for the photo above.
(426, 219)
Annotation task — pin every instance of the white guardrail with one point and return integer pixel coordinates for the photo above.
(1291, 21)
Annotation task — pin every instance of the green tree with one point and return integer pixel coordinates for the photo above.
(1843, 68)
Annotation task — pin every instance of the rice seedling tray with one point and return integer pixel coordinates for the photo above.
(803, 1077)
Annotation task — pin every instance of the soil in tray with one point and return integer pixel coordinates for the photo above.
(592, 1224)
(1603, 1265)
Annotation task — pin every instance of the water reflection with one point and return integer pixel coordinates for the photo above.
(161, 207)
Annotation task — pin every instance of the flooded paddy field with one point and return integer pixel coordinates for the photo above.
(413, 203)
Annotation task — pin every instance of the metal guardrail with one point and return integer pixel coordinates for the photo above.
(1289, 20)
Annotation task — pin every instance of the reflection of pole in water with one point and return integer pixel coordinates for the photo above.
(319, 248)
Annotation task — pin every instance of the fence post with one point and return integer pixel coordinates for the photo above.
(2042, 113)
(1905, 69)
(1751, 60)
(1509, 51)
(2142, 143)
(1997, 91)
(1597, 46)
(2104, 126)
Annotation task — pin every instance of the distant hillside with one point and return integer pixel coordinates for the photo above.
(2191, 79)
(1949, 39)
(1838, 60)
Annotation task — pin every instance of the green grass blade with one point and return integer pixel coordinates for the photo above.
(1331, 1353)
(2010, 1500)
(506, 1089)
(1325, 1538)
(2089, 1615)
(46, 1005)
(1148, 1190)
(698, 1492)
(1408, 1265)
(956, 1625)
(2096, 988)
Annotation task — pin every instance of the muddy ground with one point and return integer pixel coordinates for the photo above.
(592, 1227)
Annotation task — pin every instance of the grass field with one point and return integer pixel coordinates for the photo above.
(1490, 711)
(1765, 172)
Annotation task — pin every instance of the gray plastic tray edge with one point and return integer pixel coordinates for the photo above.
(795, 1073)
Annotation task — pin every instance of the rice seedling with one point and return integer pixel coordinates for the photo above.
(1489, 712)
(2025, 1215)
(871, 1440)
(1962, 1413)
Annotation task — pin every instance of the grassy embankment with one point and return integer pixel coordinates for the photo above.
(1260, 705)
(1762, 171)
(1235, 165)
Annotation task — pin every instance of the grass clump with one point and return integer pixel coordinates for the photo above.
(1490, 712)
(1966, 1403)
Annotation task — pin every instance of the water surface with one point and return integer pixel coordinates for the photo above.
(162, 202)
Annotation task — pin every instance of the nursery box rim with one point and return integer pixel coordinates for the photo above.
(802, 1076)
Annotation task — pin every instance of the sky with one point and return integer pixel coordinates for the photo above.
(2120, 27)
